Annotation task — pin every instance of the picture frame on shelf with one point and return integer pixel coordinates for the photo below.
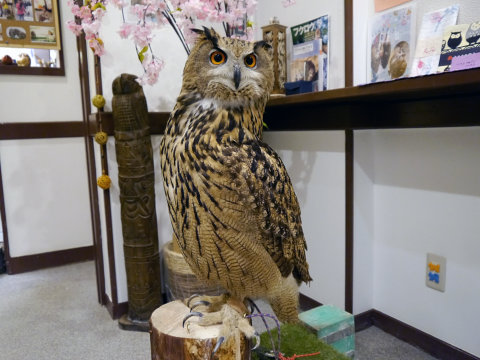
(30, 24)
(30, 30)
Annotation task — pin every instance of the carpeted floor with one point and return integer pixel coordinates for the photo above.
(54, 314)
(375, 344)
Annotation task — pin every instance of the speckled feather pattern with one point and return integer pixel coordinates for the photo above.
(231, 202)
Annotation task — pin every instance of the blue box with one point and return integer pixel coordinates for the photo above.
(298, 87)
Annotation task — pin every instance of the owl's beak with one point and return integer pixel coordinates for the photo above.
(237, 75)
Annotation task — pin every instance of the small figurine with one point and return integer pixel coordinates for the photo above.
(24, 60)
(7, 60)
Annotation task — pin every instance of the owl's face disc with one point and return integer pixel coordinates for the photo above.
(228, 69)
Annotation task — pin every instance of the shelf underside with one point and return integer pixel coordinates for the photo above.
(444, 100)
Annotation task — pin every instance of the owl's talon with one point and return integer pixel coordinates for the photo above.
(195, 313)
(252, 305)
(220, 341)
(191, 298)
(257, 341)
(198, 303)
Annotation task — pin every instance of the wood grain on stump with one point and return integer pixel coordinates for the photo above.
(170, 341)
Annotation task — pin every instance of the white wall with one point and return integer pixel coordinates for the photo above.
(327, 154)
(363, 221)
(426, 198)
(305, 10)
(46, 198)
(364, 10)
(315, 161)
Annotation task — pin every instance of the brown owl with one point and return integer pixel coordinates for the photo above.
(233, 209)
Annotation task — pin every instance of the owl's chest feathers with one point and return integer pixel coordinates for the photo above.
(201, 139)
(204, 127)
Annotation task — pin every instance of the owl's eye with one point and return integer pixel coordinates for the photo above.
(250, 60)
(217, 57)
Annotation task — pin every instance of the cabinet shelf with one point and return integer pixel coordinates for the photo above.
(441, 100)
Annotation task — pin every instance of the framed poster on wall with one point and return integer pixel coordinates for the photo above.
(29, 24)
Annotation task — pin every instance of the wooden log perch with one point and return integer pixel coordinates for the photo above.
(170, 341)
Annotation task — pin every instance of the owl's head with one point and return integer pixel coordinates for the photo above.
(228, 70)
(475, 26)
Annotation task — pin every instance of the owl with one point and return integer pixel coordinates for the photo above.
(473, 33)
(232, 206)
(455, 39)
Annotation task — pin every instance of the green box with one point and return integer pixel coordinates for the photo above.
(333, 326)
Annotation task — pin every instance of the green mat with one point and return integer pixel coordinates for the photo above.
(296, 339)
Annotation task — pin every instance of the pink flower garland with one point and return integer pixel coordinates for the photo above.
(153, 14)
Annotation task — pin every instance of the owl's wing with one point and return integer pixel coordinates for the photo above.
(257, 179)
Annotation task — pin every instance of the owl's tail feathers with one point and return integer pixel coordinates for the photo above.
(284, 301)
(285, 308)
(300, 273)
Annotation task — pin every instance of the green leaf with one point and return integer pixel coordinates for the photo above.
(98, 5)
(141, 54)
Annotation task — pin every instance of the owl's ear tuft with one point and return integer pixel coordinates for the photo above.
(208, 34)
(262, 44)
(198, 31)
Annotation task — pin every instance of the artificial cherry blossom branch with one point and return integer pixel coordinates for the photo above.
(153, 14)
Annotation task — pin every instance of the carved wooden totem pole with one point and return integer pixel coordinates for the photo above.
(137, 200)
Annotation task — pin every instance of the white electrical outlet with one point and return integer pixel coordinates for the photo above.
(436, 271)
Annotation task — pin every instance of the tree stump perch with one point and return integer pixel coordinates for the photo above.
(169, 340)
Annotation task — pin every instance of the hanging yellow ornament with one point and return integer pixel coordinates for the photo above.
(104, 181)
(98, 101)
(101, 137)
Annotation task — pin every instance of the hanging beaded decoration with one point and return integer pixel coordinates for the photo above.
(101, 138)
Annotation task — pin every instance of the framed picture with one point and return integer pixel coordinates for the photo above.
(29, 24)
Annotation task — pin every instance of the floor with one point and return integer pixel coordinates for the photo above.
(54, 314)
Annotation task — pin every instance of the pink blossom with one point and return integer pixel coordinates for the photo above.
(125, 30)
(142, 35)
(98, 14)
(73, 7)
(287, 3)
(97, 46)
(119, 3)
(91, 29)
(74, 27)
(152, 67)
(85, 13)
(250, 33)
(138, 11)
(156, 5)
(251, 5)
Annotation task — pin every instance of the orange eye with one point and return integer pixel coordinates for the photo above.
(217, 57)
(250, 60)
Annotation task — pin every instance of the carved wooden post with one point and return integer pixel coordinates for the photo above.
(275, 35)
(137, 200)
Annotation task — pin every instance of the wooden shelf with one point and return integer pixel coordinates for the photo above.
(446, 85)
(18, 70)
(442, 100)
